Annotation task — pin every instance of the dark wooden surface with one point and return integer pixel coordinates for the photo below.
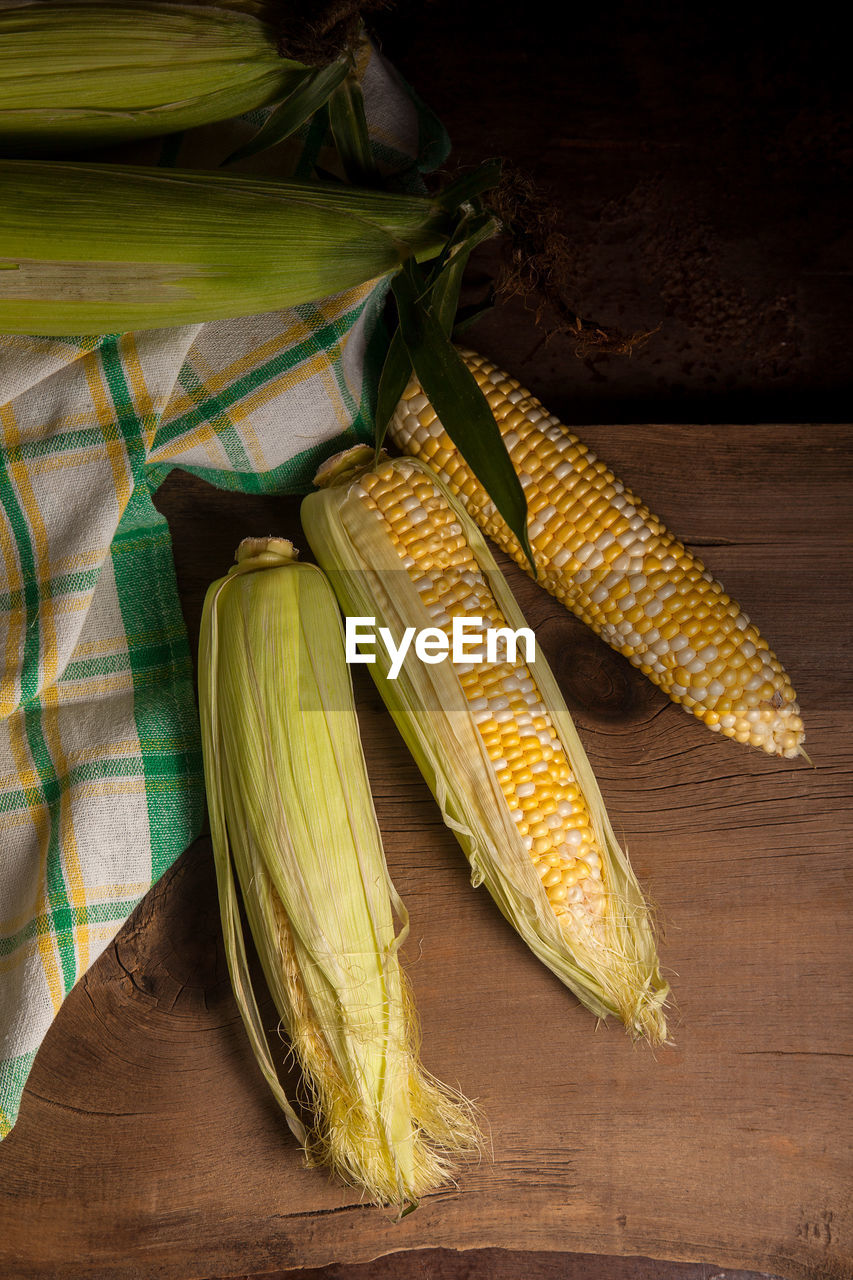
(699, 166)
(147, 1144)
(699, 162)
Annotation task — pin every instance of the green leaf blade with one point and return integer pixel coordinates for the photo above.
(393, 381)
(458, 402)
(349, 129)
(313, 92)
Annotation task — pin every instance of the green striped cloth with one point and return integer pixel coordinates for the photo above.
(100, 764)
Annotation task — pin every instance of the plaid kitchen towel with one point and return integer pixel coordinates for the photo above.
(100, 764)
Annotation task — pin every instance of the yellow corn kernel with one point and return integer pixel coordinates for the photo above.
(640, 589)
(479, 740)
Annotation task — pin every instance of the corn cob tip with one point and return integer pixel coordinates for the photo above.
(615, 565)
(263, 553)
(343, 467)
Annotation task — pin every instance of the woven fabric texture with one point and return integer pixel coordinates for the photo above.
(100, 765)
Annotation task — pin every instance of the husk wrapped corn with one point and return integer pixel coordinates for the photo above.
(92, 73)
(88, 248)
(494, 740)
(291, 814)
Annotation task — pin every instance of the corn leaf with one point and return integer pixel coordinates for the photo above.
(447, 279)
(313, 91)
(458, 401)
(349, 129)
(470, 186)
(393, 380)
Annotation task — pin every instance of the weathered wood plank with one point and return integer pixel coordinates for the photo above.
(147, 1145)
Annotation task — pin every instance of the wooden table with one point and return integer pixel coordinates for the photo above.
(148, 1146)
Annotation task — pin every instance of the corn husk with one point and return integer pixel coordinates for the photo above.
(291, 813)
(615, 974)
(85, 74)
(88, 248)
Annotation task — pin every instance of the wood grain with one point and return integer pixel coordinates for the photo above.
(147, 1144)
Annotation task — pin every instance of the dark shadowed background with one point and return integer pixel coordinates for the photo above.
(699, 159)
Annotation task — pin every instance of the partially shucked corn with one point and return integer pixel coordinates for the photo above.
(291, 811)
(602, 553)
(493, 739)
(90, 73)
(90, 248)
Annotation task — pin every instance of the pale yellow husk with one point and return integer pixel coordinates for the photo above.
(616, 972)
(291, 813)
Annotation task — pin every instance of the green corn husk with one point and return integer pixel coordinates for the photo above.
(291, 812)
(612, 968)
(88, 248)
(86, 74)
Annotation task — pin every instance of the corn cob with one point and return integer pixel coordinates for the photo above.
(493, 739)
(88, 74)
(87, 248)
(290, 808)
(602, 553)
